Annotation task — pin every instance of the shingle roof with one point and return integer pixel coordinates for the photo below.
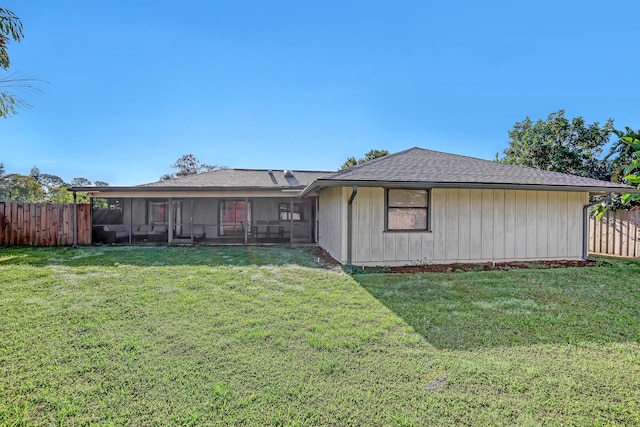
(418, 165)
(412, 167)
(241, 178)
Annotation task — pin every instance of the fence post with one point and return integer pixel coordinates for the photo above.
(75, 220)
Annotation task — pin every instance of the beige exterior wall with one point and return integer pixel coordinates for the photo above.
(332, 219)
(467, 225)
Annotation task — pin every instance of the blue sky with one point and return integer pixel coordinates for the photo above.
(132, 85)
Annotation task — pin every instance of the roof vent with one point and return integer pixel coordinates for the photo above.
(288, 173)
(273, 177)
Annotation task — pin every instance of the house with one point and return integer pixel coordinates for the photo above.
(414, 206)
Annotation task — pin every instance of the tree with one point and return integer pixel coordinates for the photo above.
(80, 182)
(188, 164)
(60, 195)
(369, 155)
(10, 28)
(626, 162)
(42, 187)
(35, 173)
(49, 182)
(20, 188)
(622, 153)
(625, 167)
(560, 145)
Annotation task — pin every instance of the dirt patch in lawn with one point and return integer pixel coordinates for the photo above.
(325, 260)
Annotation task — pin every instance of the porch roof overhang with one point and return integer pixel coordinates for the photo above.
(187, 191)
(592, 190)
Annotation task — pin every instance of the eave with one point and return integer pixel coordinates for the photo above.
(189, 191)
(320, 183)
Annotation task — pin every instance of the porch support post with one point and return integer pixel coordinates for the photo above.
(130, 220)
(91, 220)
(246, 221)
(317, 230)
(291, 221)
(170, 228)
(191, 223)
(75, 220)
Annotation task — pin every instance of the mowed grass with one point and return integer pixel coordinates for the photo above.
(260, 336)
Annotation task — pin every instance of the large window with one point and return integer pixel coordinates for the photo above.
(107, 211)
(284, 212)
(407, 209)
(232, 217)
(158, 212)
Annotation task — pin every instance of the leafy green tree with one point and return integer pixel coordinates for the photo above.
(560, 145)
(626, 163)
(368, 156)
(20, 188)
(622, 153)
(49, 182)
(60, 195)
(188, 164)
(80, 182)
(41, 187)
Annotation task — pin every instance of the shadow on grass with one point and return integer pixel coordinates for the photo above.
(462, 311)
(149, 256)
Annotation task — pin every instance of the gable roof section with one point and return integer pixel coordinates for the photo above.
(225, 179)
(242, 178)
(417, 167)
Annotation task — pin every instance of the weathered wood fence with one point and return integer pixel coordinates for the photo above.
(43, 224)
(617, 233)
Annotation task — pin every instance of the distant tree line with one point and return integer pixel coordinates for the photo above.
(38, 187)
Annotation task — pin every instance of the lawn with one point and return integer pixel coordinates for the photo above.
(261, 336)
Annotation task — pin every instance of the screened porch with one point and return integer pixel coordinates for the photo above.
(202, 220)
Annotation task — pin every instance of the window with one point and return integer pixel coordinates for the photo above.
(232, 214)
(284, 212)
(158, 212)
(107, 211)
(407, 209)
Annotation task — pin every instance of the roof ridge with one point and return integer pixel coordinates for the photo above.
(493, 162)
(430, 166)
(373, 161)
(181, 178)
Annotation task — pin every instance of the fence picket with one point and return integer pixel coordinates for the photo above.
(617, 233)
(43, 224)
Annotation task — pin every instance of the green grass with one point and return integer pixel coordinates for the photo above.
(259, 336)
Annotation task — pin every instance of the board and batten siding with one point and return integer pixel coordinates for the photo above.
(467, 225)
(332, 221)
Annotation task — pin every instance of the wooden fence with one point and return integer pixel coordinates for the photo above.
(43, 224)
(617, 233)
